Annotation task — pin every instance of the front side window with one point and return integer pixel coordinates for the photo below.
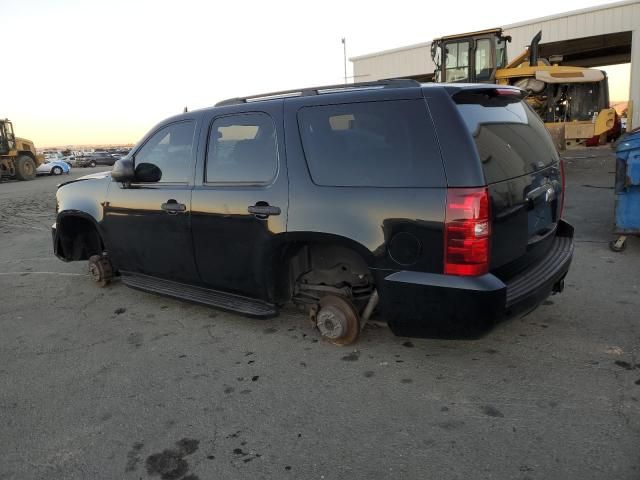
(242, 149)
(9, 128)
(457, 63)
(483, 63)
(371, 144)
(167, 155)
(501, 52)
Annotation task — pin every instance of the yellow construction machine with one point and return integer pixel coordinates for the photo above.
(18, 158)
(572, 101)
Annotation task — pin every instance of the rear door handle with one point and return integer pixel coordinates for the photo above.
(172, 207)
(263, 210)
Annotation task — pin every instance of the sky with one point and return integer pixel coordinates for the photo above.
(105, 72)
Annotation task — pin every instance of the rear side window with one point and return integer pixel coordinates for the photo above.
(242, 149)
(371, 144)
(510, 137)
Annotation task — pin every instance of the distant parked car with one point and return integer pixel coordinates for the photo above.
(69, 160)
(100, 158)
(53, 167)
(84, 162)
(96, 158)
(51, 156)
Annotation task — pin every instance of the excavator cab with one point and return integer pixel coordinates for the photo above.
(572, 101)
(7, 138)
(470, 57)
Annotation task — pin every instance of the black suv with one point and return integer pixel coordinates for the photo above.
(437, 205)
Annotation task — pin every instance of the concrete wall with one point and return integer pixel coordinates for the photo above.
(612, 18)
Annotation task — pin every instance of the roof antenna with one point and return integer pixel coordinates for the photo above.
(185, 110)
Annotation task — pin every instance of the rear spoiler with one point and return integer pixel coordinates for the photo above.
(495, 96)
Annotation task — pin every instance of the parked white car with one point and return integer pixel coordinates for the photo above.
(69, 160)
(54, 167)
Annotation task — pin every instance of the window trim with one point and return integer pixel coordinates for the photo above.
(153, 134)
(206, 182)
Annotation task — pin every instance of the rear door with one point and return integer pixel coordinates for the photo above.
(240, 199)
(523, 173)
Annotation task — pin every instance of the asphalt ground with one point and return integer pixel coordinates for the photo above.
(115, 383)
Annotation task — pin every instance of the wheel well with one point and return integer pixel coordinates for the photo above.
(78, 238)
(26, 153)
(309, 265)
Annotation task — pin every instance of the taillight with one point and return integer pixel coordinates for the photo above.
(508, 92)
(467, 232)
(563, 187)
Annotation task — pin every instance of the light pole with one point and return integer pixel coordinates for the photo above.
(344, 49)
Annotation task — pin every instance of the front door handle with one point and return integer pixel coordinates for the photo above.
(263, 210)
(172, 207)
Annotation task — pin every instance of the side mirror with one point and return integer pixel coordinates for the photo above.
(123, 171)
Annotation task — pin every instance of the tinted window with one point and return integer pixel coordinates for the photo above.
(242, 149)
(510, 137)
(170, 149)
(382, 144)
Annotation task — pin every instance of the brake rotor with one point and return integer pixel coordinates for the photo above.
(100, 270)
(338, 320)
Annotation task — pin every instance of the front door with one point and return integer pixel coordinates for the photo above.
(147, 224)
(239, 203)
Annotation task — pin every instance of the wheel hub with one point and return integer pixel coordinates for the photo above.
(100, 270)
(331, 322)
(94, 271)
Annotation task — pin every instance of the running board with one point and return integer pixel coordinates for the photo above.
(212, 298)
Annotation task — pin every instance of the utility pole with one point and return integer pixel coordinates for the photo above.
(344, 49)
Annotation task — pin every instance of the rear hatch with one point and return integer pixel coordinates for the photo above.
(523, 173)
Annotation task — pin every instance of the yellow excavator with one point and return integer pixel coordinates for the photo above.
(18, 157)
(572, 101)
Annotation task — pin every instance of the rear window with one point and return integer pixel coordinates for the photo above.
(510, 137)
(371, 144)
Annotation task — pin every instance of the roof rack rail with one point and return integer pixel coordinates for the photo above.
(303, 92)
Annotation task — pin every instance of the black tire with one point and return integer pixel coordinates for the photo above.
(92, 163)
(25, 168)
(56, 171)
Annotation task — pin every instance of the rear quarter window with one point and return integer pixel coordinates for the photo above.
(371, 144)
(510, 137)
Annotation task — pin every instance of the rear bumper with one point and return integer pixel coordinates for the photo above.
(434, 305)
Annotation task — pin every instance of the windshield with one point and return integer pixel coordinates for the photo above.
(457, 61)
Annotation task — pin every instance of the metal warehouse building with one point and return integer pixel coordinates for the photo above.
(597, 36)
